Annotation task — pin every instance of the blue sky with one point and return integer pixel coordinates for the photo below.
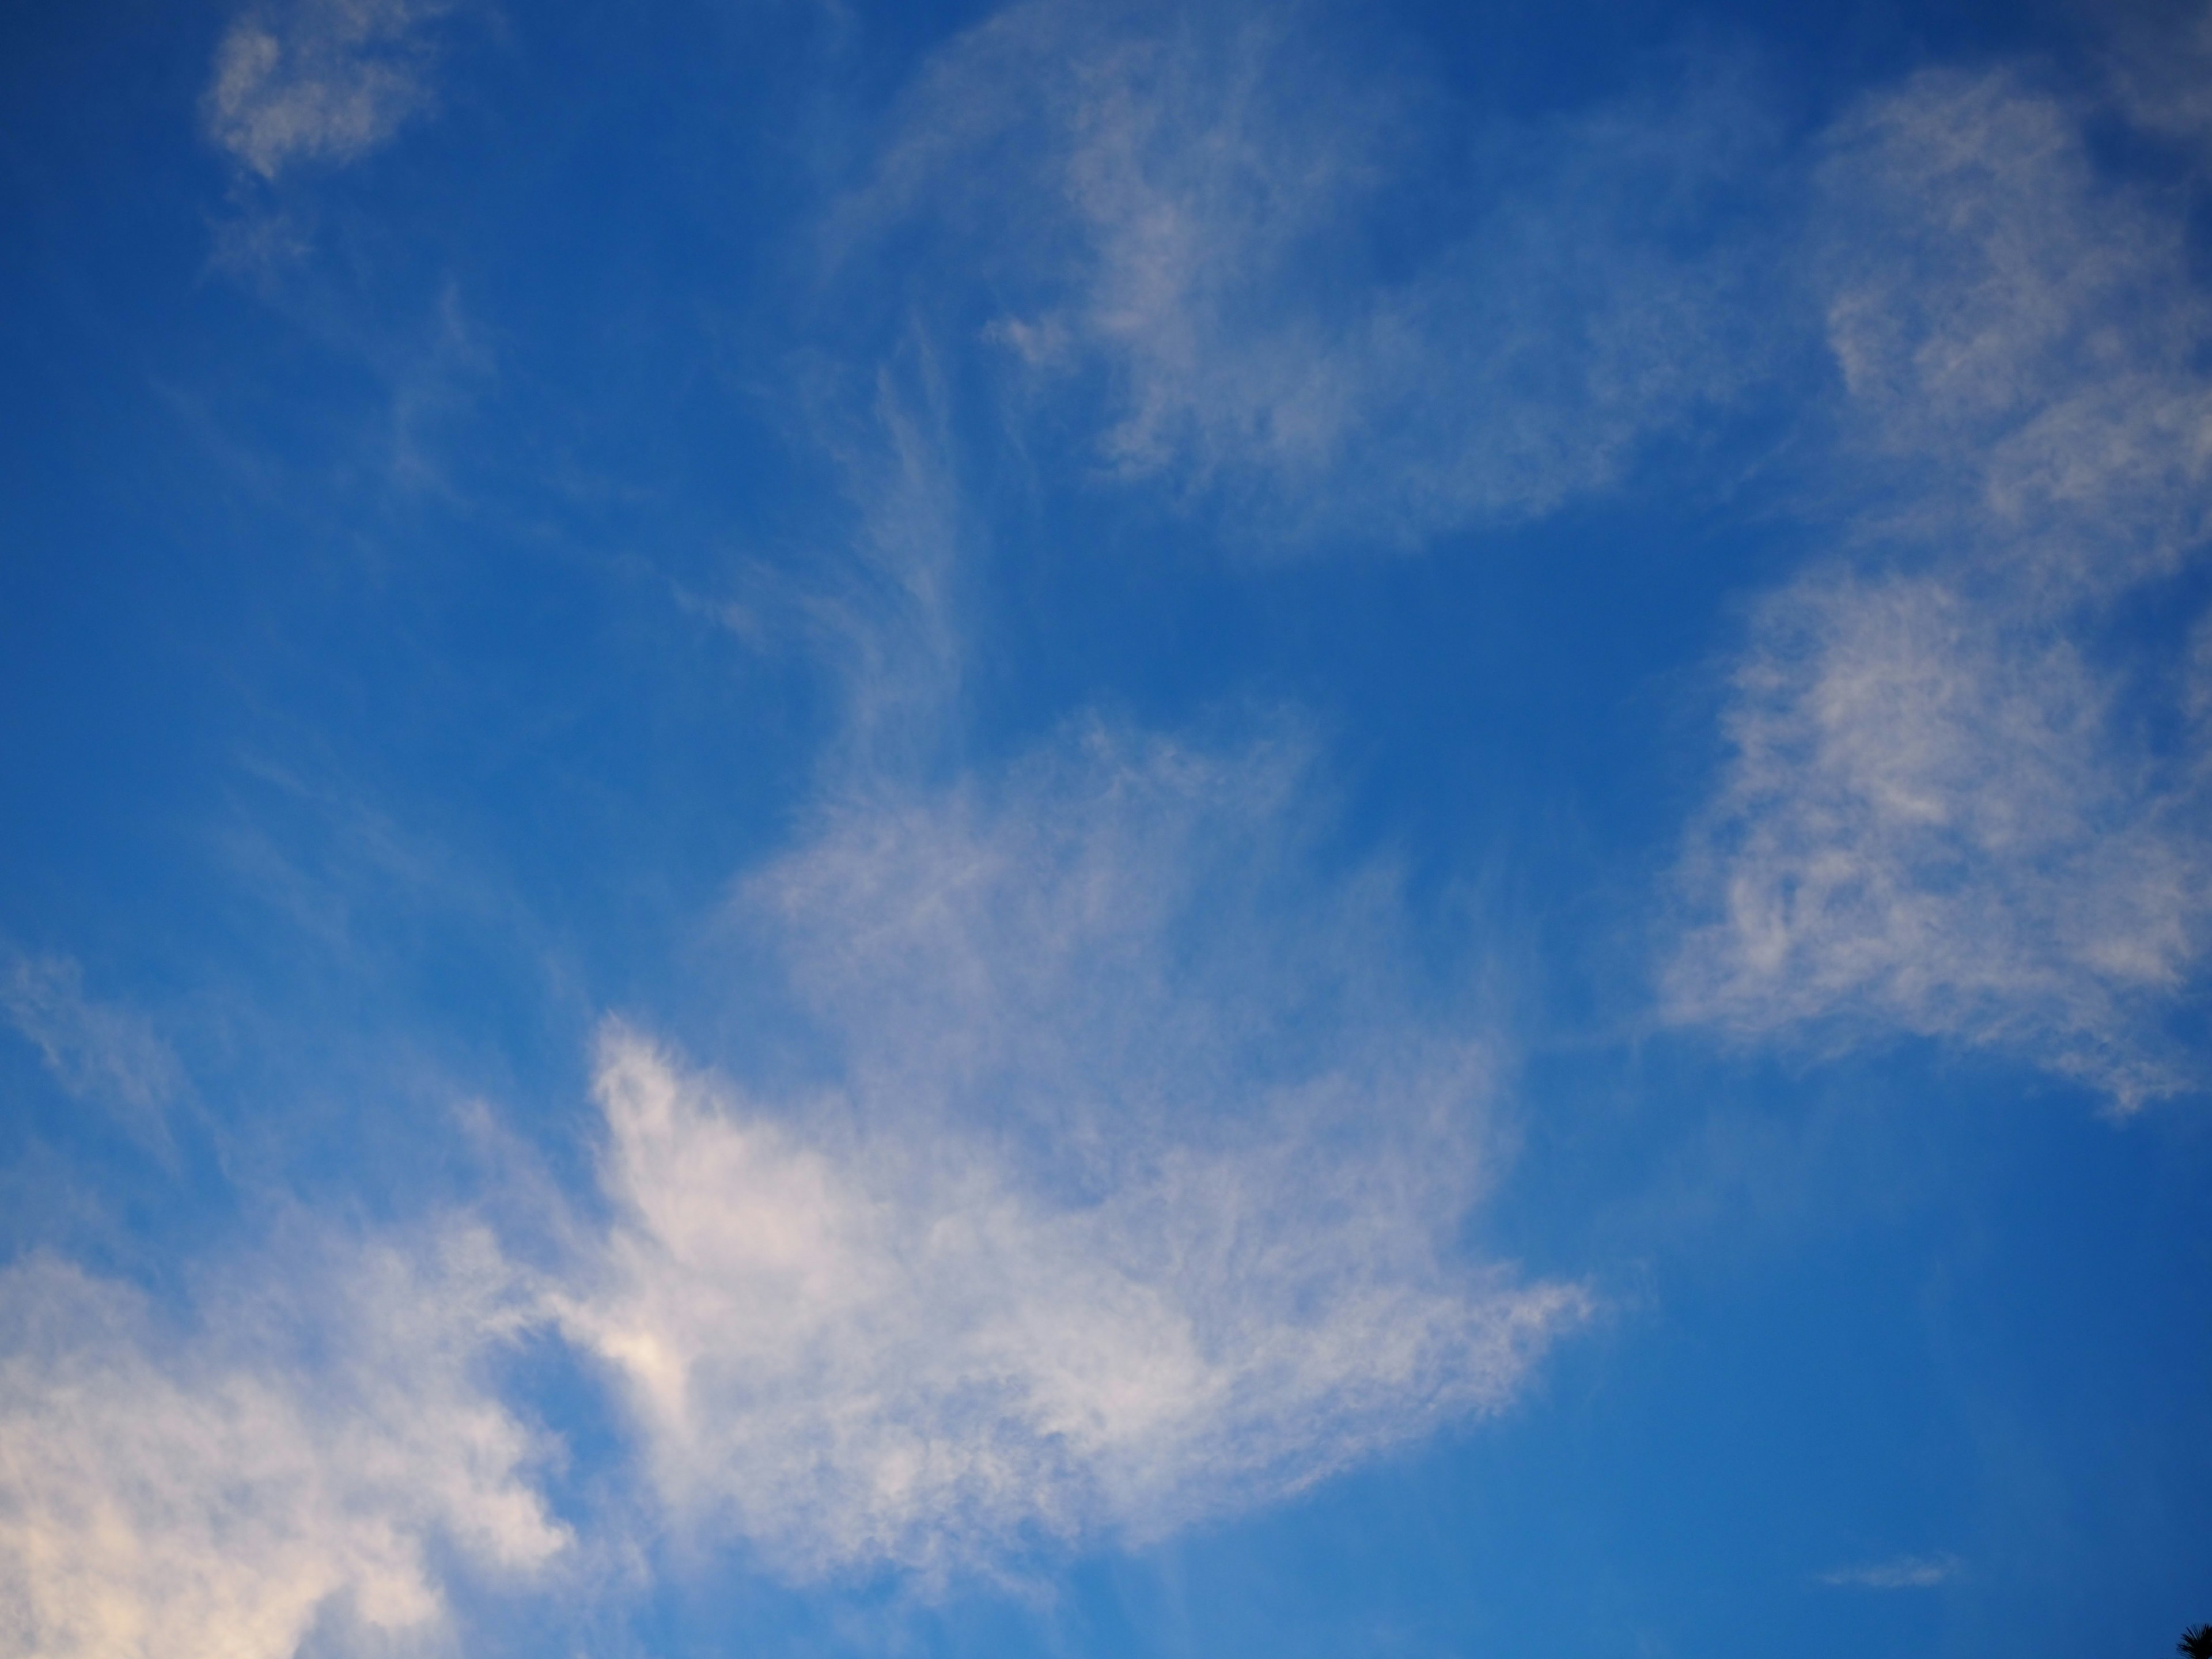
(1095, 831)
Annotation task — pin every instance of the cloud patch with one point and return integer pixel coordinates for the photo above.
(290, 1465)
(1906, 1572)
(1967, 793)
(1196, 256)
(105, 1054)
(1933, 821)
(1073, 1244)
(329, 80)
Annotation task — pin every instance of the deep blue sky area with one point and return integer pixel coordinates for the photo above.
(1099, 831)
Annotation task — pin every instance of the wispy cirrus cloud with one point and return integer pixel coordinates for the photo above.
(2019, 336)
(104, 1054)
(1968, 789)
(1933, 821)
(1905, 1572)
(1090, 1231)
(2158, 67)
(888, 610)
(1195, 262)
(330, 80)
(1130, 1188)
(287, 1468)
(887, 1353)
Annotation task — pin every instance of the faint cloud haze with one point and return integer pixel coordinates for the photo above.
(319, 80)
(304, 1455)
(1906, 1572)
(888, 1352)
(1199, 199)
(1132, 1193)
(106, 1055)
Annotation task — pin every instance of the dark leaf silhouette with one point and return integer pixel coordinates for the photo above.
(2196, 1643)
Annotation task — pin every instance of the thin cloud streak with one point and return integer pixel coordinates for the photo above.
(887, 612)
(107, 1055)
(1906, 1572)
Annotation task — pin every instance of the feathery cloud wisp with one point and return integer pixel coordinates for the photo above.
(319, 80)
(1906, 1572)
(279, 1471)
(1093, 1234)
(1942, 812)
(1198, 198)
(102, 1053)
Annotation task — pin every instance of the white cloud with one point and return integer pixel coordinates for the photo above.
(2021, 337)
(1934, 820)
(1080, 1241)
(1135, 1193)
(319, 80)
(1906, 1572)
(102, 1053)
(2159, 62)
(285, 1468)
(997, 941)
(1968, 794)
(1198, 200)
